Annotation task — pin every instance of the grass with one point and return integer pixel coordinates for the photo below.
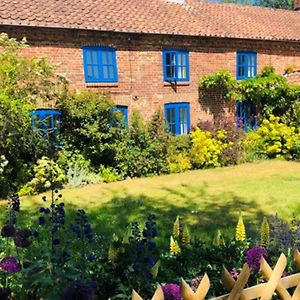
(206, 199)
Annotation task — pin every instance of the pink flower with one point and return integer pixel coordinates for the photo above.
(234, 273)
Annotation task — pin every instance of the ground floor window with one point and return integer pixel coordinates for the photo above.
(177, 117)
(120, 112)
(246, 115)
(47, 122)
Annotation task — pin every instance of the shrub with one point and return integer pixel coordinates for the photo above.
(273, 139)
(143, 151)
(87, 126)
(47, 174)
(108, 174)
(207, 150)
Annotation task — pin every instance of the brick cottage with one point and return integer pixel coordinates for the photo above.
(150, 54)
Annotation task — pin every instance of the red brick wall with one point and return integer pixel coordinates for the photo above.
(139, 59)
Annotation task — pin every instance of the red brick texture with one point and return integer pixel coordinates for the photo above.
(139, 59)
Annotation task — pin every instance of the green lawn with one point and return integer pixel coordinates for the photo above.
(206, 199)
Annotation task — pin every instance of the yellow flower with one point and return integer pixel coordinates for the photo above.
(154, 269)
(186, 238)
(176, 228)
(240, 232)
(265, 233)
(174, 247)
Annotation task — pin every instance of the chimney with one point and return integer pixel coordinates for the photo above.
(297, 5)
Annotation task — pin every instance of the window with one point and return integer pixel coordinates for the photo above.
(47, 121)
(121, 111)
(246, 65)
(177, 117)
(246, 115)
(100, 64)
(176, 65)
(246, 111)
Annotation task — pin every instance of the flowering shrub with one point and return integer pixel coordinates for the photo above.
(274, 139)
(206, 151)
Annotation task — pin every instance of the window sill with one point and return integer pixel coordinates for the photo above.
(101, 84)
(178, 83)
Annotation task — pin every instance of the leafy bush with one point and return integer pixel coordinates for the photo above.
(179, 163)
(207, 150)
(47, 174)
(108, 174)
(273, 139)
(143, 150)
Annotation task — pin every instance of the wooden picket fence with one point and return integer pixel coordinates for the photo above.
(275, 283)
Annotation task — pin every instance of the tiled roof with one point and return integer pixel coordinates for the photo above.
(193, 18)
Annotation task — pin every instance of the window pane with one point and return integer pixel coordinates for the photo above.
(241, 72)
(109, 57)
(183, 115)
(171, 71)
(241, 59)
(170, 59)
(181, 72)
(88, 57)
(105, 72)
(181, 58)
(94, 58)
(89, 71)
(172, 128)
(171, 115)
(251, 60)
(111, 72)
(96, 72)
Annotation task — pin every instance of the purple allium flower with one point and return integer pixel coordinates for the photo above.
(9, 264)
(171, 291)
(254, 255)
(8, 230)
(79, 291)
(234, 273)
(21, 238)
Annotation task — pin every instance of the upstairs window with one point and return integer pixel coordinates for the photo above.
(177, 118)
(246, 65)
(176, 65)
(120, 112)
(47, 122)
(100, 64)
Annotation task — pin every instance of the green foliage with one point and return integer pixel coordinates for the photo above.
(143, 151)
(284, 4)
(47, 174)
(87, 126)
(222, 81)
(274, 139)
(206, 151)
(23, 82)
(108, 174)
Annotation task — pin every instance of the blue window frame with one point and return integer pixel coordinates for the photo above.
(246, 115)
(177, 117)
(100, 64)
(176, 65)
(121, 111)
(246, 65)
(246, 112)
(47, 121)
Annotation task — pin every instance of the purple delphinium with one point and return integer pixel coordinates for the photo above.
(171, 291)
(22, 238)
(254, 256)
(9, 264)
(4, 293)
